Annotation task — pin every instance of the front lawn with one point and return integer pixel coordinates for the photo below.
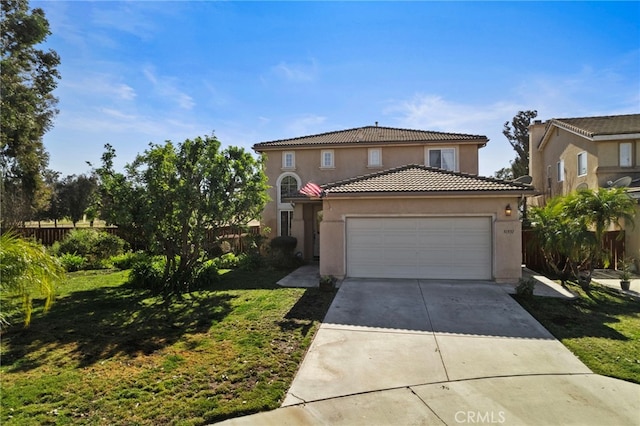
(601, 327)
(110, 354)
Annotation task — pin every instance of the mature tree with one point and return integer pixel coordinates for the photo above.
(171, 194)
(599, 210)
(564, 240)
(570, 229)
(76, 195)
(27, 106)
(517, 132)
(26, 269)
(505, 173)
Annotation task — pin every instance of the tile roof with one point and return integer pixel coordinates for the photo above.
(422, 179)
(369, 135)
(600, 126)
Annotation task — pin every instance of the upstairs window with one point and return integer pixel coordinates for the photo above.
(626, 154)
(560, 171)
(582, 164)
(288, 186)
(326, 159)
(444, 158)
(288, 160)
(375, 157)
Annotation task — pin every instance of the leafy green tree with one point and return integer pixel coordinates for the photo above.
(76, 195)
(27, 106)
(564, 240)
(504, 173)
(599, 210)
(26, 269)
(570, 229)
(172, 194)
(517, 132)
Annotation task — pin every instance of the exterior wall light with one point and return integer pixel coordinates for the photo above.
(507, 210)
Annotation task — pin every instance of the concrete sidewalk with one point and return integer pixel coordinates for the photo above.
(436, 352)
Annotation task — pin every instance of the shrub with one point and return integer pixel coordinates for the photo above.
(250, 262)
(127, 260)
(73, 262)
(206, 274)
(525, 287)
(147, 274)
(281, 254)
(226, 261)
(95, 246)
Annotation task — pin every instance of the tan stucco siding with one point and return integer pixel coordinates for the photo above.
(349, 162)
(507, 238)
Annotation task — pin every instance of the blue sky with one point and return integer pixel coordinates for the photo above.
(139, 72)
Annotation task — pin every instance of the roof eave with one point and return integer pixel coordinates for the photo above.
(260, 148)
(422, 194)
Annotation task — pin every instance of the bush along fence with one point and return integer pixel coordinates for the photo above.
(234, 235)
(532, 255)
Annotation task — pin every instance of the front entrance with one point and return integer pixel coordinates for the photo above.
(317, 218)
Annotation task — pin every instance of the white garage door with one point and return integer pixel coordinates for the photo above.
(444, 248)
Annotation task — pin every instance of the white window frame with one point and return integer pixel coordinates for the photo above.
(289, 213)
(372, 154)
(625, 157)
(286, 166)
(323, 163)
(282, 205)
(581, 172)
(441, 149)
(560, 171)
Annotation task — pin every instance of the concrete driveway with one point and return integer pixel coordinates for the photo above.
(438, 352)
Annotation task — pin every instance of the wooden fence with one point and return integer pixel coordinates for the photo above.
(232, 234)
(533, 258)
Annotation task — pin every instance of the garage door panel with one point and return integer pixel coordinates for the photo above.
(447, 247)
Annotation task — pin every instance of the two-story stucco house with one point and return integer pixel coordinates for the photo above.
(396, 203)
(566, 154)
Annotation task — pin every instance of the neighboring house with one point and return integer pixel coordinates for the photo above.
(397, 203)
(566, 154)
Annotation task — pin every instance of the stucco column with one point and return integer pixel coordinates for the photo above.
(332, 248)
(297, 226)
(508, 250)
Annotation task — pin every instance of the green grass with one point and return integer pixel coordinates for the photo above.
(107, 353)
(601, 327)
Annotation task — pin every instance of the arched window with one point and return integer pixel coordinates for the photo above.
(288, 186)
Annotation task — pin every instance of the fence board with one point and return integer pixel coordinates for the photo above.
(532, 255)
(49, 235)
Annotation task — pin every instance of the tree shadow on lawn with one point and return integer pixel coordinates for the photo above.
(263, 278)
(311, 307)
(106, 322)
(587, 316)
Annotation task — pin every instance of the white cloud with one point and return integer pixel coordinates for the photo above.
(304, 125)
(297, 72)
(167, 88)
(433, 112)
(102, 85)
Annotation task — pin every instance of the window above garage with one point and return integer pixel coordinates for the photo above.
(442, 158)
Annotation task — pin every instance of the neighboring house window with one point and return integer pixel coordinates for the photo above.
(288, 160)
(444, 158)
(560, 171)
(286, 217)
(326, 159)
(375, 157)
(626, 154)
(582, 164)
